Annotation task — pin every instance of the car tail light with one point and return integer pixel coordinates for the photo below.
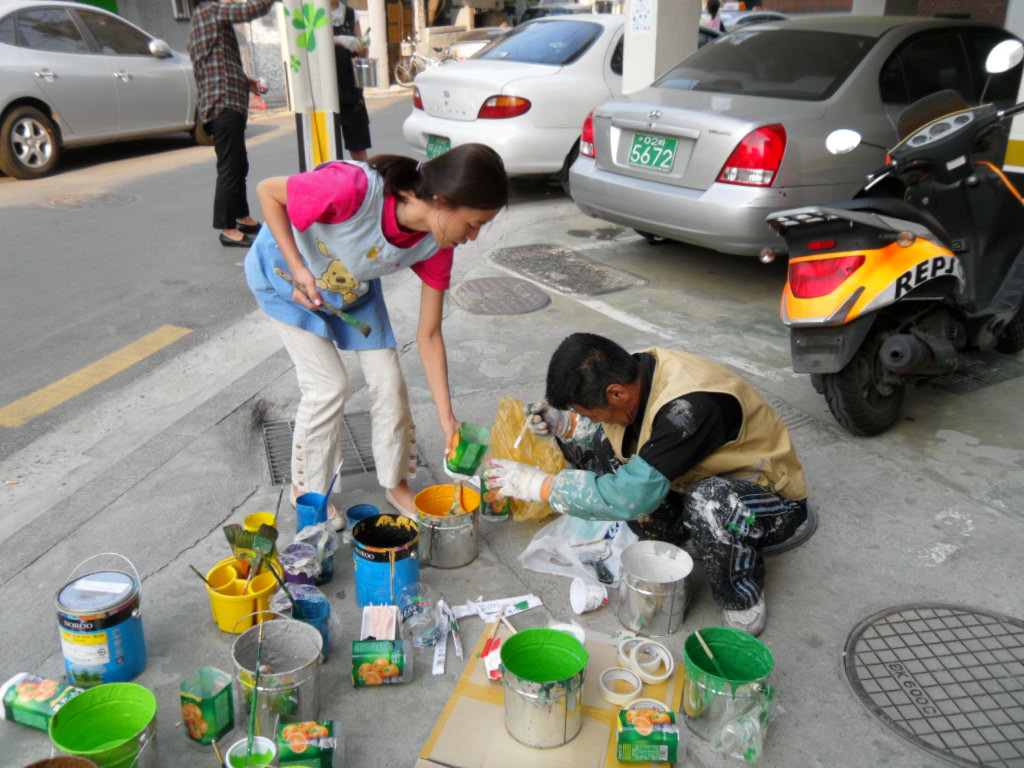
(417, 100)
(498, 107)
(810, 279)
(587, 137)
(756, 160)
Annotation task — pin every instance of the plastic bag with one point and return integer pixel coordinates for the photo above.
(743, 732)
(564, 546)
(541, 452)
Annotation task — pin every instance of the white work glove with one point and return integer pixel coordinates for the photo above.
(513, 479)
(348, 41)
(547, 420)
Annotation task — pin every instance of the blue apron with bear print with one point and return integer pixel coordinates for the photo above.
(348, 259)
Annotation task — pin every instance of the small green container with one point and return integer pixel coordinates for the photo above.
(206, 705)
(471, 443)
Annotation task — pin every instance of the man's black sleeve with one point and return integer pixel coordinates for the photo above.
(690, 428)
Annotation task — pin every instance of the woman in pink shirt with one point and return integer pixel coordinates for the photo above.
(334, 232)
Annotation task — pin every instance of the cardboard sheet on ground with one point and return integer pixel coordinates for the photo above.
(470, 733)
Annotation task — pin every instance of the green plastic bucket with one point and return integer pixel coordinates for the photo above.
(113, 724)
(712, 700)
(543, 672)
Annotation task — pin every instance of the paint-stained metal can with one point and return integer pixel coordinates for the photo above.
(100, 620)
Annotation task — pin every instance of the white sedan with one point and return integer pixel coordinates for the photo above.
(526, 95)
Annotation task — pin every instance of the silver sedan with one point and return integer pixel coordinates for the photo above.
(737, 130)
(72, 74)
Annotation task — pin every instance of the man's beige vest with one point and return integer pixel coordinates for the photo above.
(761, 453)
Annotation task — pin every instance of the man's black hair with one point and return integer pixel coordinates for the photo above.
(582, 369)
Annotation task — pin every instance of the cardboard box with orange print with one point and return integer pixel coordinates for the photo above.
(32, 700)
(647, 735)
(309, 745)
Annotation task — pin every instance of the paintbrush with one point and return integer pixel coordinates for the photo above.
(522, 431)
(255, 696)
(205, 580)
(216, 751)
(494, 631)
(711, 656)
(345, 317)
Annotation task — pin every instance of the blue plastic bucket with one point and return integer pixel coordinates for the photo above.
(101, 626)
(386, 556)
(310, 509)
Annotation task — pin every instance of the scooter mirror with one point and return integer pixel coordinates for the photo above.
(1004, 56)
(842, 141)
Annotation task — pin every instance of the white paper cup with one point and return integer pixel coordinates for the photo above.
(586, 595)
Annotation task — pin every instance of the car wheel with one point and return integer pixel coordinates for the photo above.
(199, 134)
(563, 175)
(652, 239)
(29, 147)
(859, 396)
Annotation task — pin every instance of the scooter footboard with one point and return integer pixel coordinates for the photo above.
(827, 349)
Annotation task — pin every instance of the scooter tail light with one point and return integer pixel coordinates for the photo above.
(500, 107)
(811, 279)
(417, 99)
(587, 137)
(756, 159)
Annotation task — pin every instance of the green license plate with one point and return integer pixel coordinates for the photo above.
(656, 152)
(437, 145)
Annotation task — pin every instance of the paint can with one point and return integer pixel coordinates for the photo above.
(291, 691)
(385, 554)
(711, 701)
(543, 672)
(652, 587)
(113, 724)
(448, 541)
(365, 70)
(100, 620)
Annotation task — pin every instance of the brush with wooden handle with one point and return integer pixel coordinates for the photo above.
(359, 325)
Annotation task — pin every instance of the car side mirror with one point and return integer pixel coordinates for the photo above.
(842, 141)
(159, 48)
(1004, 57)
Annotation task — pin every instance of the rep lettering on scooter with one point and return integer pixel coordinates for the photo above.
(938, 266)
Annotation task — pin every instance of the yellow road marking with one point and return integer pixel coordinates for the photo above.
(22, 411)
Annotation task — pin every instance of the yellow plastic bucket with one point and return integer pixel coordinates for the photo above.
(256, 519)
(227, 602)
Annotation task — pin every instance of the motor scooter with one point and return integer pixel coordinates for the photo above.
(924, 264)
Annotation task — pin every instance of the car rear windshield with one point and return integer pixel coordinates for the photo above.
(545, 42)
(783, 64)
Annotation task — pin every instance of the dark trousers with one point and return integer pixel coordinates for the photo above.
(229, 199)
(731, 521)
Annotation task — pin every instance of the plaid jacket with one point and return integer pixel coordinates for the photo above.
(216, 60)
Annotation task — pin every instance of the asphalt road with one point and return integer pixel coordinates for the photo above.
(118, 244)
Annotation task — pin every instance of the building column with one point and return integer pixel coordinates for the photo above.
(659, 34)
(378, 26)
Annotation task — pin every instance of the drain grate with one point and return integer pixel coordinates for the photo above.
(565, 270)
(977, 371)
(356, 453)
(947, 678)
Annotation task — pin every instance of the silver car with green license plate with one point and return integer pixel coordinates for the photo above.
(737, 130)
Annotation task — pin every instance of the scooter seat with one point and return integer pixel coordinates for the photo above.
(897, 209)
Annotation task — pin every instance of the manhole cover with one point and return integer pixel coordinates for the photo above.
(565, 270)
(977, 371)
(499, 296)
(85, 200)
(356, 453)
(947, 678)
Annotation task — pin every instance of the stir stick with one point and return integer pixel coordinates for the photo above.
(711, 656)
(522, 431)
(255, 696)
(494, 631)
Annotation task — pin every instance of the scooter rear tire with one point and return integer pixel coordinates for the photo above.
(859, 398)
(1011, 340)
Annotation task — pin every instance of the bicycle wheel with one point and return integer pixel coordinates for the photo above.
(405, 73)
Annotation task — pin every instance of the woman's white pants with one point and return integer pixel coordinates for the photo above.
(324, 387)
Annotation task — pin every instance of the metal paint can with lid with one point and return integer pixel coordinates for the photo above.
(100, 619)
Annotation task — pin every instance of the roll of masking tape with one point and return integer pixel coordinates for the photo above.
(650, 666)
(642, 703)
(662, 656)
(619, 697)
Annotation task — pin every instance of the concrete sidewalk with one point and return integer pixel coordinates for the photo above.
(928, 513)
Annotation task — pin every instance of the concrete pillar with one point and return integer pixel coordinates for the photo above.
(884, 8)
(377, 23)
(659, 34)
(1015, 147)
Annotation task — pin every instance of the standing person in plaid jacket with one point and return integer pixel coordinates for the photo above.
(224, 107)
